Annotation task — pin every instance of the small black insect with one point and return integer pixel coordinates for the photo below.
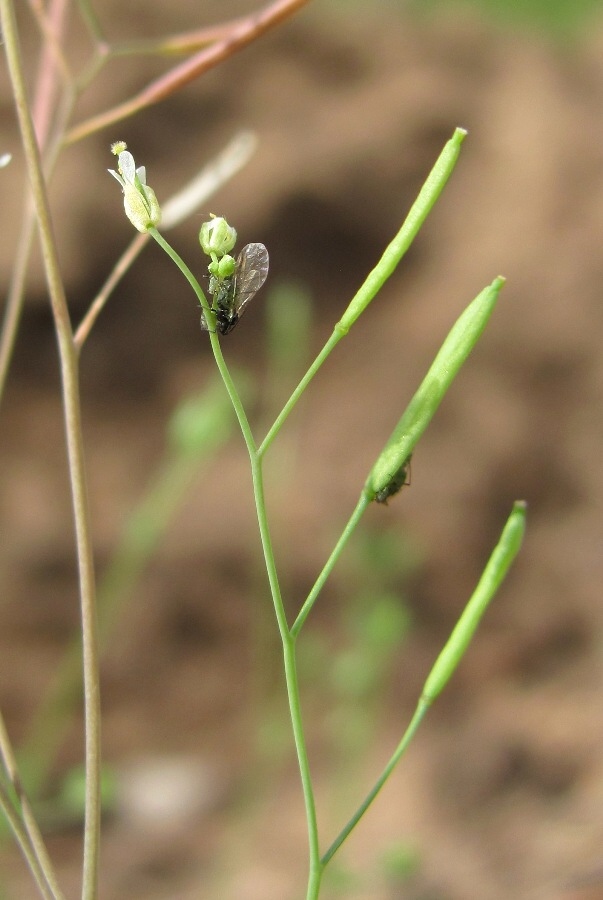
(395, 483)
(231, 295)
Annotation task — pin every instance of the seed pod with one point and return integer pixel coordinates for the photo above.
(459, 342)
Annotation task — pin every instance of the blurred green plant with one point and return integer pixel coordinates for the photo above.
(350, 664)
(199, 428)
(561, 18)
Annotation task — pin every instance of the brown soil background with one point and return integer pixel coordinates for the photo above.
(501, 794)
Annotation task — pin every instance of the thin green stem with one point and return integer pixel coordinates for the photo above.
(301, 387)
(330, 564)
(288, 642)
(287, 639)
(291, 679)
(315, 868)
(75, 453)
(187, 274)
(235, 399)
(395, 758)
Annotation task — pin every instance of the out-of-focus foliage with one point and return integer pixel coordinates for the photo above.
(560, 17)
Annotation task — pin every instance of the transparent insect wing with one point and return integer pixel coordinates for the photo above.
(204, 325)
(250, 274)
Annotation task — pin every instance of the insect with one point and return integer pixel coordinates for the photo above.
(395, 483)
(231, 295)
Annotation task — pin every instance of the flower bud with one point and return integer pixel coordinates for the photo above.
(226, 266)
(220, 269)
(217, 237)
(140, 202)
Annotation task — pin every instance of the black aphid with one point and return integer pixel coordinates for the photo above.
(231, 295)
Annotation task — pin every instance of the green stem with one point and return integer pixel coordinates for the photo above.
(210, 318)
(395, 758)
(315, 869)
(330, 564)
(301, 387)
(291, 679)
(287, 639)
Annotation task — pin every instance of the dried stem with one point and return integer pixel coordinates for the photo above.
(71, 401)
(243, 32)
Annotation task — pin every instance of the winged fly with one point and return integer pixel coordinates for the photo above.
(231, 295)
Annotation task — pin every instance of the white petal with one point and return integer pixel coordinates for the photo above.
(127, 166)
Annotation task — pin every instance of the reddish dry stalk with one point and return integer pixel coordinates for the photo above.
(243, 32)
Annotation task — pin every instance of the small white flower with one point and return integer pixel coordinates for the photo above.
(140, 202)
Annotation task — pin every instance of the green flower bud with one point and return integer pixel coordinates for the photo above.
(220, 270)
(217, 237)
(140, 202)
(226, 266)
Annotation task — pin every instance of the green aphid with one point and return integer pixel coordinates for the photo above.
(395, 483)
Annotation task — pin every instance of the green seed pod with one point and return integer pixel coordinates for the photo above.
(454, 351)
(429, 193)
(492, 577)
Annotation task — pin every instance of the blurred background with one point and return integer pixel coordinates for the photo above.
(501, 794)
